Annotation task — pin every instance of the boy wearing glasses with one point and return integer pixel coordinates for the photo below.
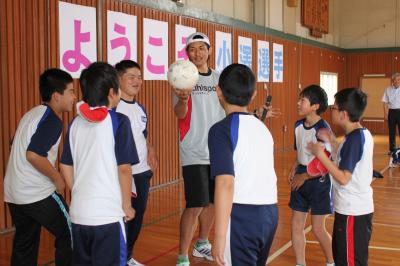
(310, 192)
(351, 176)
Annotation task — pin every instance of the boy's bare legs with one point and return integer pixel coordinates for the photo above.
(206, 221)
(187, 227)
(298, 236)
(324, 238)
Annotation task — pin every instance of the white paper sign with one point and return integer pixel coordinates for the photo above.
(121, 37)
(245, 51)
(277, 62)
(181, 34)
(223, 50)
(263, 61)
(78, 44)
(155, 49)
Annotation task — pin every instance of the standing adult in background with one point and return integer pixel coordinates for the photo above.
(391, 107)
(197, 109)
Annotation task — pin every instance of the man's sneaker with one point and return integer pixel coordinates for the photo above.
(133, 262)
(203, 251)
(182, 261)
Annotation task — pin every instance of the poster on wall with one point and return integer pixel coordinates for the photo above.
(121, 37)
(245, 51)
(155, 49)
(77, 36)
(263, 61)
(181, 34)
(223, 50)
(277, 62)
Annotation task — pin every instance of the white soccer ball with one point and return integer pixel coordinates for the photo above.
(183, 74)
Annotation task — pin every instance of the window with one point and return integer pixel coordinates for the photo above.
(329, 81)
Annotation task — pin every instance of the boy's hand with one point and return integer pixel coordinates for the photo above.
(290, 176)
(60, 185)
(218, 250)
(316, 148)
(325, 135)
(152, 159)
(129, 213)
(272, 112)
(298, 180)
(182, 94)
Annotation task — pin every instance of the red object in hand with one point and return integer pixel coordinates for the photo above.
(316, 168)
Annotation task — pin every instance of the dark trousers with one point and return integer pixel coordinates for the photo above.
(142, 182)
(29, 218)
(393, 122)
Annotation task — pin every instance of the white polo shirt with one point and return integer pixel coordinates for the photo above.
(242, 146)
(392, 97)
(38, 131)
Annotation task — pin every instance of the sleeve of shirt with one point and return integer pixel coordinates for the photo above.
(351, 152)
(125, 148)
(385, 97)
(47, 134)
(221, 150)
(66, 156)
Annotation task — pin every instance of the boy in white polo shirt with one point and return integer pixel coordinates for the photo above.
(242, 164)
(352, 177)
(96, 162)
(31, 179)
(130, 77)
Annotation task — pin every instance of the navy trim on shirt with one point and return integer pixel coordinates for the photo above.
(47, 133)
(352, 150)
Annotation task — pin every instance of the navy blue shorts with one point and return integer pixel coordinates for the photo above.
(99, 245)
(251, 231)
(314, 194)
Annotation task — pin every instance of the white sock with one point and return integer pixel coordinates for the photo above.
(330, 264)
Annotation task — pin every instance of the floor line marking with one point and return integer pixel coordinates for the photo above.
(284, 247)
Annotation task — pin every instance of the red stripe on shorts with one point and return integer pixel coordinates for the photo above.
(350, 240)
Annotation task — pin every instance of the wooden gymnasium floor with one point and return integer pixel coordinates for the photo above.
(158, 242)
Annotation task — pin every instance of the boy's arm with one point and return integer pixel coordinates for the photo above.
(341, 176)
(67, 172)
(224, 185)
(181, 107)
(43, 165)
(151, 156)
(125, 182)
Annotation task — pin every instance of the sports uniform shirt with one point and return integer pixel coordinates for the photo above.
(203, 111)
(355, 155)
(391, 96)
(242, 146)
(304, 135)
(96, 149)
(38, 131)
(138, 117)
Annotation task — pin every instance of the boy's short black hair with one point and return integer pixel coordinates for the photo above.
(316, 95)
(237, 83)
(96, 81)
(124, 65)
(353, 101)
(53, 80)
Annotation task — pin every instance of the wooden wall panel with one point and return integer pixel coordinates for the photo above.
(29, 42)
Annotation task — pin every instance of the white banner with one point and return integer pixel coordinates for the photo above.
(181, 34)
(263, 61)
(78, 44)
(223, 50)
(155, 49)
(121, 37)
(245, 51)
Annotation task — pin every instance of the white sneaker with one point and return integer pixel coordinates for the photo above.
(202, 251)
(133, 262)
(391, 163)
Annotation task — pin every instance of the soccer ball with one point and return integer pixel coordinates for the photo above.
(183, 74)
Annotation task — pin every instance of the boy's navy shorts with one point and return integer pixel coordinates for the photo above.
(314, 194)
